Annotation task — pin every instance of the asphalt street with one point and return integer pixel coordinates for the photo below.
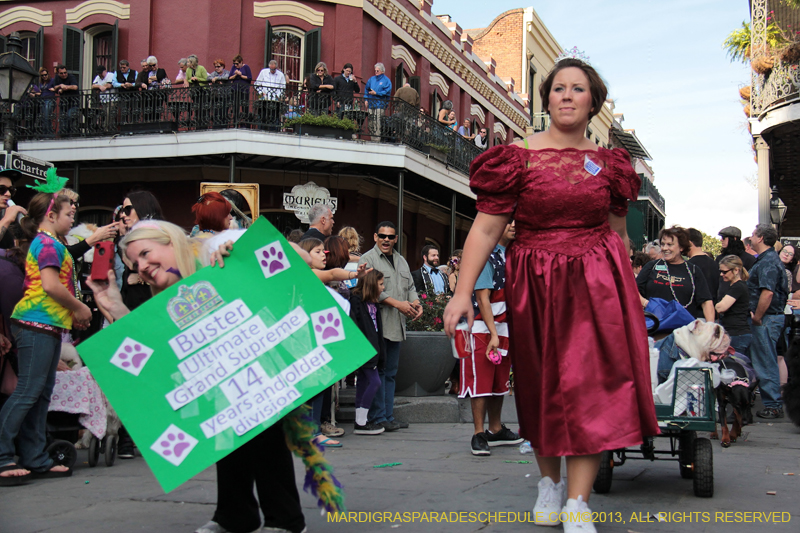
(438, 475)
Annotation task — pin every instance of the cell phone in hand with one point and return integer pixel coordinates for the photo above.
(102, 263)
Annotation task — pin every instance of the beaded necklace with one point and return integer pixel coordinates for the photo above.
(75, 285)
(669, 278)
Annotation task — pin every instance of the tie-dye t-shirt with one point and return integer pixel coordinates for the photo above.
(36, 307)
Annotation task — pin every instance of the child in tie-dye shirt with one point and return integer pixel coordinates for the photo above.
(48, 307)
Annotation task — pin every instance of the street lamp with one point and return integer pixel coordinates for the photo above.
(777, 209)
(16, 75)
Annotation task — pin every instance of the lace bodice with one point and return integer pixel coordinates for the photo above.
(557, 204)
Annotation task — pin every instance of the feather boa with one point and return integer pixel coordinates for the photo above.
(319, 481)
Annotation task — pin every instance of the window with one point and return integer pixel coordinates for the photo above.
(400, 77)
(287, 50)
(102, 53)
(436, 105)
(29, 47)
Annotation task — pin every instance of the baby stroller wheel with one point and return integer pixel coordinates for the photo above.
(602, 483)
(94, 451)
(63, 453)
(110, 450)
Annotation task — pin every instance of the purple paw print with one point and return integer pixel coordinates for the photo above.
(135, 358)
(177, 443)
(273, 259)
(327, 326)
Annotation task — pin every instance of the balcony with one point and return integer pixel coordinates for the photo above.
(649, 192)
(91, 114)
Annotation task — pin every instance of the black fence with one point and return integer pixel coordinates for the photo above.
(96, 114)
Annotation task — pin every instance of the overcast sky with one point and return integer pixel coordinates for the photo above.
(669, 76)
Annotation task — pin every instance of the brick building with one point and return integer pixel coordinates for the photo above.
(170, 150)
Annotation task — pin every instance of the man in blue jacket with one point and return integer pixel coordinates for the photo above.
(377, 92)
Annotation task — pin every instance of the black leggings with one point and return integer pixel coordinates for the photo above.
(266, 461)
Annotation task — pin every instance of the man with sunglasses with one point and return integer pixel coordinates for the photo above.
(10, 212)
(398, 302)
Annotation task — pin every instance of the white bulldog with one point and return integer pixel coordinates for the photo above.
(700, 339)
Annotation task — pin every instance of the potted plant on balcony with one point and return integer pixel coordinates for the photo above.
(322, 126)
(438, 151)
(426, 356)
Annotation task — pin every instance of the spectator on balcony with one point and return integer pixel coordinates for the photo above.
(408, 94)
(180, 78)
(377, 91)
(241, 77)
(320, 88)
(444, 114)
(220, 73)
(65, 86)
(464, 130)
(196, 74)
(482, 139)
(103, 83)
(151, 77)
(44, 101)
(38, 85)
(451, 118)
(143, 64)
(124, 78)
(271, 87)
(345, 86)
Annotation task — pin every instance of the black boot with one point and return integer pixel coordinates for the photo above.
(125, 444)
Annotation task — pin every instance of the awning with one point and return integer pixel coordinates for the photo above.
(629, 141)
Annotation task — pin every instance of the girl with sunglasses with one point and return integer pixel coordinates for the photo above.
(10, 211)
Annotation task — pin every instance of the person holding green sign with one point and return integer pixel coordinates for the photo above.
(163, 255)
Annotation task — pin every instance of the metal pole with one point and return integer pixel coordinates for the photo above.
(453, 225)
(9, 138)
(232, 171)
(764, 192)
(400, 213)
(76, 174)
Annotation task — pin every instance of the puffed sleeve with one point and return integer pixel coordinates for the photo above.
(494, 178)
(622, 179)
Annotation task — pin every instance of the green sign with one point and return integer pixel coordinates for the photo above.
(209, 363)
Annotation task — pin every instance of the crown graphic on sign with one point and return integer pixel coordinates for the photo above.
(193, 303)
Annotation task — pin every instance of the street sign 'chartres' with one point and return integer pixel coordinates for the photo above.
(26, 165)
(304, 196)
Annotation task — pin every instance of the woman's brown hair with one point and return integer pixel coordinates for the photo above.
(338, 253)
(37, 210)
(679, 234)
(597, 87)
(367, 287)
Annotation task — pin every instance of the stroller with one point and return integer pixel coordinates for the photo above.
(77, 403)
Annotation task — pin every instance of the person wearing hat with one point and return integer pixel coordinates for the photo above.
(732, 244)
(9, 211)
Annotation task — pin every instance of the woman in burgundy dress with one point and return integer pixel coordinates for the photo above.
(578, 339)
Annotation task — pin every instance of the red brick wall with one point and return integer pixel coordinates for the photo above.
(502, 40)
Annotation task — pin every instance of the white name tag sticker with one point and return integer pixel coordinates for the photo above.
(663, 268)
(591, 167)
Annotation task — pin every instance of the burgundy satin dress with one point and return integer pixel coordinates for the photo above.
(577, 332)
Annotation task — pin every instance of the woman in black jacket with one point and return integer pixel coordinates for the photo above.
(366, 314)
(320, 88)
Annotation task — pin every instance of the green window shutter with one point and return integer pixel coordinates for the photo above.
(267, 44)
(415, 83)
(114, 48)
(3, 39)
(39, 58)
(73, 51)
(313, 51)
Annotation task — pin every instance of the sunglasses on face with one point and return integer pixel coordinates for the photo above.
(127, 210)
(722, 271)
(384, 237)
(74, 203)
(5, 188)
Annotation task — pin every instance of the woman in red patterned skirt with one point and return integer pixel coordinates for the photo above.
(577, 335)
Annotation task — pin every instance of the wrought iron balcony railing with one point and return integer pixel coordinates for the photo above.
(648, 190)
(95, 114)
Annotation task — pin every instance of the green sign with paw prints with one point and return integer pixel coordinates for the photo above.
(209, 363)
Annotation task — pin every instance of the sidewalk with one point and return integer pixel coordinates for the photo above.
(437, 473)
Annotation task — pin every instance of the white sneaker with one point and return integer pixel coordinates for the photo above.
(213, 527)
(549, 502)
(577, 517)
